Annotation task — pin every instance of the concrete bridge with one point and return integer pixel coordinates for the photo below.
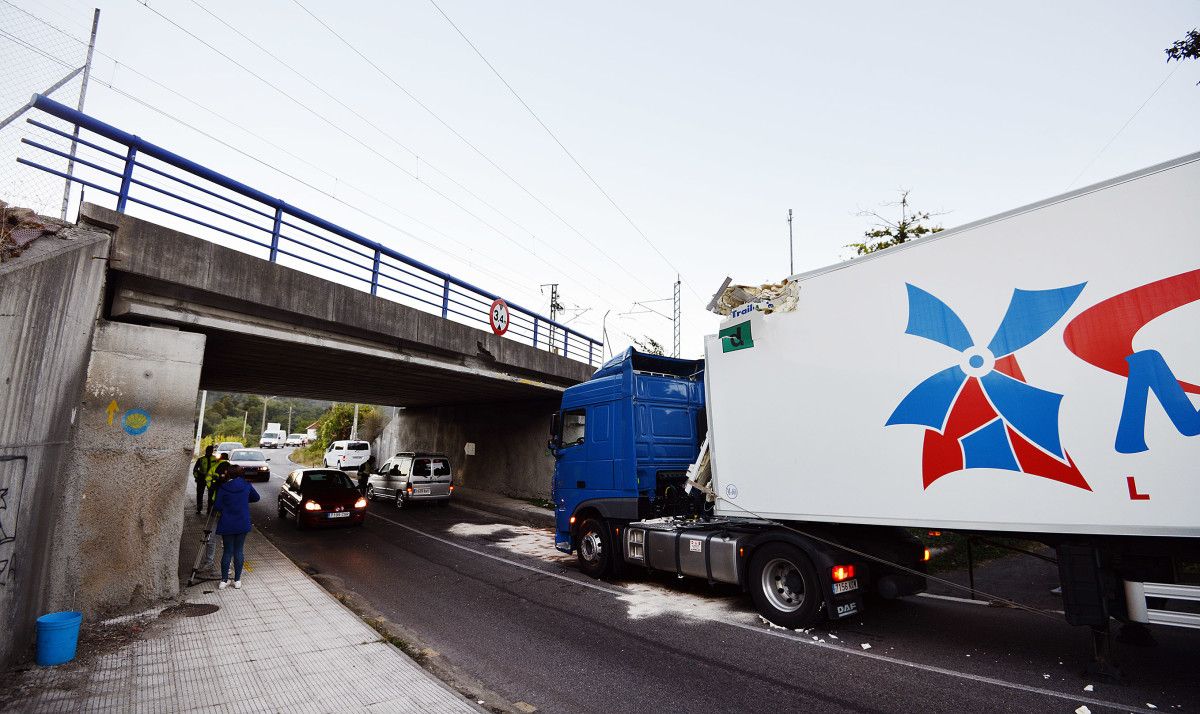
(110, 329)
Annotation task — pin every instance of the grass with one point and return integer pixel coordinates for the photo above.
(416, 653)
(540, 503)
(310, 455)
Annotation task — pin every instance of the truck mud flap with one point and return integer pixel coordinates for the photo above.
(1083, 585)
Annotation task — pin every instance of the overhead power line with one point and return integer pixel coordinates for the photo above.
(391, 137)
(562, 146)
(623, 266)
(358, 141)
(520, 282)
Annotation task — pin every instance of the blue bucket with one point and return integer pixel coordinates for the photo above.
(57, 635)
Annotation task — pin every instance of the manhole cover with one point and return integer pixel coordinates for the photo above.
(190, 609)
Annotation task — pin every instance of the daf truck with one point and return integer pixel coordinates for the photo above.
(1032, 375)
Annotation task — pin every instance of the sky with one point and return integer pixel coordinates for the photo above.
(703, 122)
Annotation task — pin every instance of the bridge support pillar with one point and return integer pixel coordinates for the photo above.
(496, 447)
(116, 543)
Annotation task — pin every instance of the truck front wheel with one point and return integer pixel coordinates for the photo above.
(784, 585)
(594, 549)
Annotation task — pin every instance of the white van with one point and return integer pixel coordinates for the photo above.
(271, 439)
(347, 455)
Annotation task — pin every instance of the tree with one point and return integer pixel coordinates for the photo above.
(649, 346)
(885, 233)
(336, 423)
(1187, 48)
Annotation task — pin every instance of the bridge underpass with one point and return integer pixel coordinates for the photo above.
(122, 321)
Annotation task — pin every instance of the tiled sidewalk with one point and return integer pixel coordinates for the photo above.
(280, 644)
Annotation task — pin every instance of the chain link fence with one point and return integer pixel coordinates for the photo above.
(35, 57)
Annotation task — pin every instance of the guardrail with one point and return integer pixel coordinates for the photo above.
(279, 231)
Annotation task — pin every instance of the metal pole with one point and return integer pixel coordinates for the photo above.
(354, 426)
(200, 423)
(791, 249)
(675, 317)
(87, 73)
(264, 419)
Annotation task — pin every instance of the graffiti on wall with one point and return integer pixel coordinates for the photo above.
(133, 421)
(12, 479)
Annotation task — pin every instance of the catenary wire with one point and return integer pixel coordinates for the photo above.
(111, 86)
(624, 267)
(359, 141)
(1123, 126)
(562, 146)
(390, 137)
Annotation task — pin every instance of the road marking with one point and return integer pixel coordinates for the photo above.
(789, 636)
(951, 598)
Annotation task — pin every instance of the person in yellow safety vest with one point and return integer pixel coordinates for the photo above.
(216, 475)
(203, 472)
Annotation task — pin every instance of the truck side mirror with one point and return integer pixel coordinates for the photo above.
(555, 431)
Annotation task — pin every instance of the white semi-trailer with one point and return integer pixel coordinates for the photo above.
(1033, 374)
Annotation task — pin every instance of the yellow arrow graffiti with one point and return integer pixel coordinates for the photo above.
(112, 409)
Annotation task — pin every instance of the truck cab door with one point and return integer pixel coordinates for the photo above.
(570, 471)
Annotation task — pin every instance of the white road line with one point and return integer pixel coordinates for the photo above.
(951, 598)
(802, 640)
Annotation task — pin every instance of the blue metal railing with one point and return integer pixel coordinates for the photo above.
(281, 229)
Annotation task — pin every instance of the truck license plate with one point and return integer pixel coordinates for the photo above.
(845, 586)
(343, 514)
(421, 491)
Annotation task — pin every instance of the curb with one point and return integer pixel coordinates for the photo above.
(511, 508)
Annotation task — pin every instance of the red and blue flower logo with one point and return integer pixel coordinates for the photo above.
(980, 412)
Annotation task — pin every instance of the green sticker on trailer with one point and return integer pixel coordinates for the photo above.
(736, 337)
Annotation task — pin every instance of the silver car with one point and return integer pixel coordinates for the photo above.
(411, 476)
(253, 464)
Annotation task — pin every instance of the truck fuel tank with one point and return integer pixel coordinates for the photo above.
(705, 550)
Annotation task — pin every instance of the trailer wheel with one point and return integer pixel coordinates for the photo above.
(595, 551)
(784, 585)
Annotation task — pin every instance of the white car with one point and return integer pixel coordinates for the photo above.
(347, 455)
(295, 440)
(226, 447)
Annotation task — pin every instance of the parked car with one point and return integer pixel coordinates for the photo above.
(413, 476)
(271, 439)
(347, 455)
(253, 464)
(321, 497)
(225, 448)
(296, 440)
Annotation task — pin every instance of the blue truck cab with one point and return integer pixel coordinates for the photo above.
(622, 443)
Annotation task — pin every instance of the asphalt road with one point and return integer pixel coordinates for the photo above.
(493, 599)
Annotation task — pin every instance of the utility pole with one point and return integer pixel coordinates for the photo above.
(791, 251)
(554, 308)
(354, 426)
(87, 73)
(200, 423)
(289, 420)
(245, 420)
(675, 317)
(264, 419)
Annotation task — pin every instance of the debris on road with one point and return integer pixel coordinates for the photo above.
(1083, 710)
(866, 646)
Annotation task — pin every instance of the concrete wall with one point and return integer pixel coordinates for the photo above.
(116, 543)
(49, 299)
(509, 443)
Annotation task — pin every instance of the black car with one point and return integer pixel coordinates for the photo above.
(321, 497)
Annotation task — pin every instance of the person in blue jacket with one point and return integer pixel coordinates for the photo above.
(233, 501)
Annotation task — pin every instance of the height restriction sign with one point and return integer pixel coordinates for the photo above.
(498, 316)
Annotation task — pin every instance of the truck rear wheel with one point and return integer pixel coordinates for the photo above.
(784, 585)
(594, 551)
